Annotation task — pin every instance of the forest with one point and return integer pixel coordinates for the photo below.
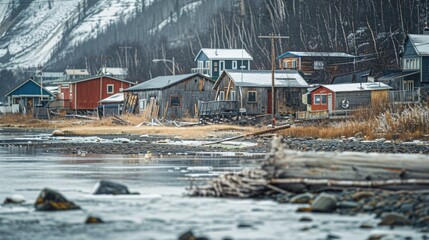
(373, 30)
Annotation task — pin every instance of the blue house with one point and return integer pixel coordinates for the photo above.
(212, 62)
(413, 78)
(27, 95)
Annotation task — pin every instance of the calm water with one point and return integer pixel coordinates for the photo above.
(161, 211)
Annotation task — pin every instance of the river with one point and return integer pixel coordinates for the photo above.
(161, 211)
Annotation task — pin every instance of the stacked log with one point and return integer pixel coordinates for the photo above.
(291, 171)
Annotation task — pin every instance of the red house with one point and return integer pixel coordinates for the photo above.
(85, 93)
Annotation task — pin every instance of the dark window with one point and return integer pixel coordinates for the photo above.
(324, 99)
(110, 88)
(175, 101)
(251, 96)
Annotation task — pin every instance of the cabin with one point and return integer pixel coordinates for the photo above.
(173, 97)
(111, 105)
(318, 67)
(341, 98)
(70, 74)
(113, 72)
(27, 95)
(251, 91)
(85, 93)
(411, 83)
(212, 62)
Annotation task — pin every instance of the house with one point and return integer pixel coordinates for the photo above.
(176, 96)
(50, 78)
(212, 62)
(340, 98)
(111, 105)
(318, 67)
(252, 90)
(27, 95)
(70, 74)
(85, 93)
(113, 72)
(411, 84)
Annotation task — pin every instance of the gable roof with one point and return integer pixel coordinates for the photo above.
(263, 78)
(396, 75)
(45, 91)
(354, 87)
(224, 54)
(163, 82)
(96, 77)
(420, 43)
(76, 72)
(316, 54)
(113, 71)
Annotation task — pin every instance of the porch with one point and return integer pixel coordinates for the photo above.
(405, 96)
(218, 111)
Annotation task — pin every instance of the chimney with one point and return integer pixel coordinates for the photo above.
(426, 29)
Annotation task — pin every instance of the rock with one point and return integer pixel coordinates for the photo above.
(14, 199)
(121, 140)
(324, 203)
(394, 219)
(57, 133)
(306, 219)
(50, 200)
(348, 204)
(376, 236)
(109, 187)
(366, 226)
(332, 236)
(244, 225)
(359, 135)
(189, 235)
(93, 220)
(304, 209)
(302, 198)
(424, 221)
(361, 195)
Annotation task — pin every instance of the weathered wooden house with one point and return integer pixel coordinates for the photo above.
(252, 90)
(411, 84)
(27, 95)
(318, 67)
(175, 96)
(212, 62)
(341, 98)
(85, 93)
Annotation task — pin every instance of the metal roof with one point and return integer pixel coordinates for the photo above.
(316, 54)
(263, 78)
(354, 87)
(115, 98)
(29, 80)
(162, 82)
(395, 75)
(225, 54)
(76, 72)
(353, 77)
(96, 77)
(420, 43)
(113, 71)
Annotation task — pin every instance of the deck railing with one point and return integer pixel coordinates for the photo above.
(204, 71)
(405, 95)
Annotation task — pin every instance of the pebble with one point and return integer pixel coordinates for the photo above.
(302, 198)
(324, 203)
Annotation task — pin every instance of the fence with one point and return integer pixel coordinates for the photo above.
(405, 95)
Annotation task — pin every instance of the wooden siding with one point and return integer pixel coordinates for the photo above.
(409, 51)
(320, 107)
(86, 94)
(425, 70)
(379, 97)
(189, 92)
(356, 99)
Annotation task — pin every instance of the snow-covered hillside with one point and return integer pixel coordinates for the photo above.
(31, 37)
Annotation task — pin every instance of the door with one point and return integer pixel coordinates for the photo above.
(330, 103)
(269, 103)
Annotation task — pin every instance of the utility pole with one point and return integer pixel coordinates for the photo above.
(273, 38)
(126, 55)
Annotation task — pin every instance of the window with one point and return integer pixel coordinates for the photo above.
(221, 66)
(110, 88)
(175, 101)
(318, 65)
(221, 96)
(208, 64)
(234, 64)
(233, 96)
(200, 64)
(251, 96)
(408, 85)
(142, 104)
(320, 99)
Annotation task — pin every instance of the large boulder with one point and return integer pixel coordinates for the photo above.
(109, 187)
(394, 219)
(50, 200)
(302, 198)
(325, 203)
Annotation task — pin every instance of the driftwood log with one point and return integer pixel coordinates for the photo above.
(291, 171)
